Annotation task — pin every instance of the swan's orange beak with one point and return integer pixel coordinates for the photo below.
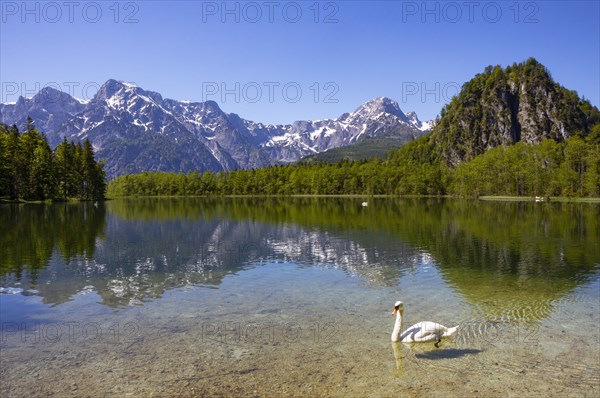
(395, 310)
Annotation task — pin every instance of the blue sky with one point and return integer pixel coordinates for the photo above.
(277, 62)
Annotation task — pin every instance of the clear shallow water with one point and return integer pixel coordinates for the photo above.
(269, 297)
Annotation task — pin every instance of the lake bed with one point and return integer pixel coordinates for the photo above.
(272, 297)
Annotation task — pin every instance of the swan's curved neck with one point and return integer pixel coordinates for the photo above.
(397, 327)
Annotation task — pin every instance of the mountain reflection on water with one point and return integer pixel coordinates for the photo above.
(129, 251)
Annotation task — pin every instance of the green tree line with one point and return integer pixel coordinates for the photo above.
(570, 168)
(31, 170)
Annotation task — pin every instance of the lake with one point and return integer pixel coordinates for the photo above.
(293, 297)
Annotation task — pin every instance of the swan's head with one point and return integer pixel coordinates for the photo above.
(398, 306)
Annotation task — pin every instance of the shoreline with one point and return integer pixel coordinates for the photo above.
(49, 201)
(489, 198)
(561, 199)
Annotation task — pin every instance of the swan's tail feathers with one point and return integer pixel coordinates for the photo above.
(450, 331)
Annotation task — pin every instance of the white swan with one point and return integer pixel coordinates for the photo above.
(419, 332)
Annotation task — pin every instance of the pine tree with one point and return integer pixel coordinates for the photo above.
(12, 150)
(42, 171)
(64, 160)
(29, 124)
(28, 141)
(93, 182)
(78, 170)
(5, 161)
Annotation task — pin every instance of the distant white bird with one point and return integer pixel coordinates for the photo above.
(365, 204)
(419, 332)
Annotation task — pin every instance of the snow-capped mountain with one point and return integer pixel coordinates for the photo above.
(423, 126)
(371, 119)
(137, 130)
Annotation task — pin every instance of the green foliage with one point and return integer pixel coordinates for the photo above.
(570, 168)
(547, 169)
(30, 170)
(505, 106)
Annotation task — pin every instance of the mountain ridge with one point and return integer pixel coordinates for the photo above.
(138, 130)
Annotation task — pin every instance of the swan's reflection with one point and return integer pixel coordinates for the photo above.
(409, 352)
(398, 356)
(405, 353)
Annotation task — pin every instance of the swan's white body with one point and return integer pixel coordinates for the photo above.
(419, 332)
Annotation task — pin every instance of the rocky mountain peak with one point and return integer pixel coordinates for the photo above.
(123, 89)
(109, 89)
(380, 105)
(49, 93)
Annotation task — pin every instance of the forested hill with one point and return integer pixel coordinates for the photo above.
(520, 103)
(511, 131)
